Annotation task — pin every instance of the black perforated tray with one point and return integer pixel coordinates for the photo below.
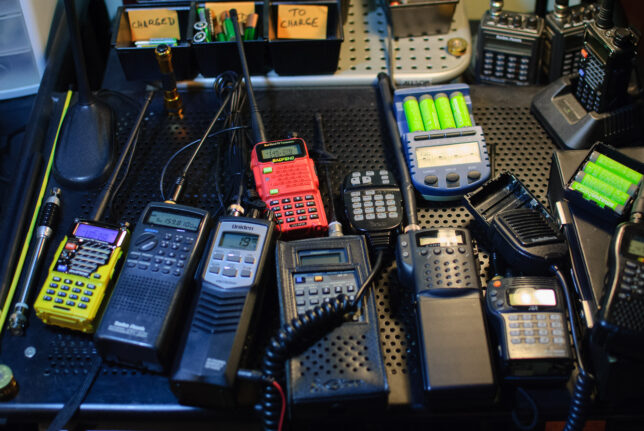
(352, 124)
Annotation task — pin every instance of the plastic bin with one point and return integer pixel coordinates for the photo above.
(306, 56)
(419, 17)
(214, 58)
(140, 63)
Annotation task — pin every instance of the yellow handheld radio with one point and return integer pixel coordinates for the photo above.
(80, 274)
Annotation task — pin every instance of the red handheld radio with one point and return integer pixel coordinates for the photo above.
(285, 179)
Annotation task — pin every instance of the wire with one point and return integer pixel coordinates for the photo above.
(34, 217)
(179, 151)
(283, 410)
(374, 270)
(533, 408)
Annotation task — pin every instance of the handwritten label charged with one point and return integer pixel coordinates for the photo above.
(301, 21)
(153, 23)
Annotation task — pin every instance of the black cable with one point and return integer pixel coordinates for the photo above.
(299, 334)
(126, 172)
(533, 407)
(185, 147)
(325, 158)
(181, 179)
(584, 384)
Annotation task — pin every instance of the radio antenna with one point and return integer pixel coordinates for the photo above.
(325, 158)
(256, 123)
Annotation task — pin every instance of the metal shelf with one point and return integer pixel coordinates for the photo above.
(421, 60)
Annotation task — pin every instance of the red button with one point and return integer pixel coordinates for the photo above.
(497, 283)
(70, 246)
(584, 53)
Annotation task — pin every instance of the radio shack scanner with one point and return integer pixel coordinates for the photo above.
(509, 46)
(286, 181)
(80, 275)
(141, 317)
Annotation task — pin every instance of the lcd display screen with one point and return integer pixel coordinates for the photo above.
(239, 241)
(442, 238)
(173, 220)
(445, 155)
(95, 232)
(281, 151)
(327, 257)
(636, 246)
(525, 297)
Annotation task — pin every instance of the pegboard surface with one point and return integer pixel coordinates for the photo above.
(354, 132)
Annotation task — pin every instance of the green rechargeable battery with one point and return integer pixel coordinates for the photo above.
(607, 176)
(444, 111)
(596, 197)
(428, 112)
(604, 188)
(412, 114)
(459, 109)
(616, 167)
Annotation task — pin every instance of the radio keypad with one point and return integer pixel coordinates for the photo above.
(160, 260)
(286, 205)
(538, 328)
(631, 285)
(312, 289)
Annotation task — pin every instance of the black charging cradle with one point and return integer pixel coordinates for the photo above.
(572, 127)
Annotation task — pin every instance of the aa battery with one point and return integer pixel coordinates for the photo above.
(607, 176)
(596, 197)
(444, 111)
(604, 188)
(459, 109)
(412, 114)
(616, 167)
(428, 113)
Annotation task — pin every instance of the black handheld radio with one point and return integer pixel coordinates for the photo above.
(509, 46)
(619, 326)
(144, 309)
(441, 266)
(142, 313)
(564, 38)
(229, 292)
(528, 316)
(606, 64)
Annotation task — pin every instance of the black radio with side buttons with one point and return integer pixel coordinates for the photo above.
(141, 317)
(509, 47)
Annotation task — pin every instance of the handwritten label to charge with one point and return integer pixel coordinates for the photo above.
(301, 21)
(243, 9)
(153, 23)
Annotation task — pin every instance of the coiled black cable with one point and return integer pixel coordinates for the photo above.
(292, 336)
(298, 335)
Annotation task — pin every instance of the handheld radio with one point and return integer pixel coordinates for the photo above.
(229, 292)
(607, 62)
(619, 327)
(81, 274)
(528, 317)
(286, 181)
(441, 266)
(145, 307)
(509, 46)
(310, 272)
(141, 315)
(434, 264)
(564, 38)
